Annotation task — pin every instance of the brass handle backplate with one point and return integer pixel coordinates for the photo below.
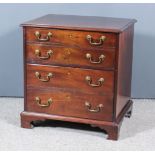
(101, 58)
(39, 36)
(97, 109)
(99, 82)
(38, 54)
(38, 75)
(92, 42)
(38, 102)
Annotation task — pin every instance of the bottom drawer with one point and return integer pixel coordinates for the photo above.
(61, 102)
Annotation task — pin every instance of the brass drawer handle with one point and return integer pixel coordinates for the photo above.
(89, 107)
(38, 75)
(38, 102)
(101, 58)
(38, 54)
(99, 82)
(38, 35)
(92, 42)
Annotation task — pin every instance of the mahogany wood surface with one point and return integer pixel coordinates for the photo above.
(71, 57)
(124, 73)
(68, 87)
(69, 103)
(71, 79)
(112, 128)
(106, 24)
(71, 38)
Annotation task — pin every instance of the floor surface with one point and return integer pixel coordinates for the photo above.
(137, 133)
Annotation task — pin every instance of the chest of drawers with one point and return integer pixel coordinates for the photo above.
(78, 69)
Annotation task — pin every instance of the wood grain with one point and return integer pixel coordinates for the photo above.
(71, 79)
(71, 38)
(72, 57)
(124, 74)
(106, 24)
(68, 103)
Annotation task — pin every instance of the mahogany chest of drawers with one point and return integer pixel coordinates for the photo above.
(78, 69)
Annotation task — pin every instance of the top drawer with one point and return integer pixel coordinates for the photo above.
(82, 39)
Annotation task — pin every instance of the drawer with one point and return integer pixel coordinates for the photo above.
(75, 79)
(82, 39)
(53, 55)
(66, 103)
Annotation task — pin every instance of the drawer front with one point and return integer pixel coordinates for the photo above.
(61, 102)
(75, 79)
(53, 55)
(83, 39)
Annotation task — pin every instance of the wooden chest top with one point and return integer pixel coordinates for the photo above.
(106, 24)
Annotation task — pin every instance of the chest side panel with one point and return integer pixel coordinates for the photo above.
(124, 73)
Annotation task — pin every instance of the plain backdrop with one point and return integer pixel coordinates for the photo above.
(11, 60)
